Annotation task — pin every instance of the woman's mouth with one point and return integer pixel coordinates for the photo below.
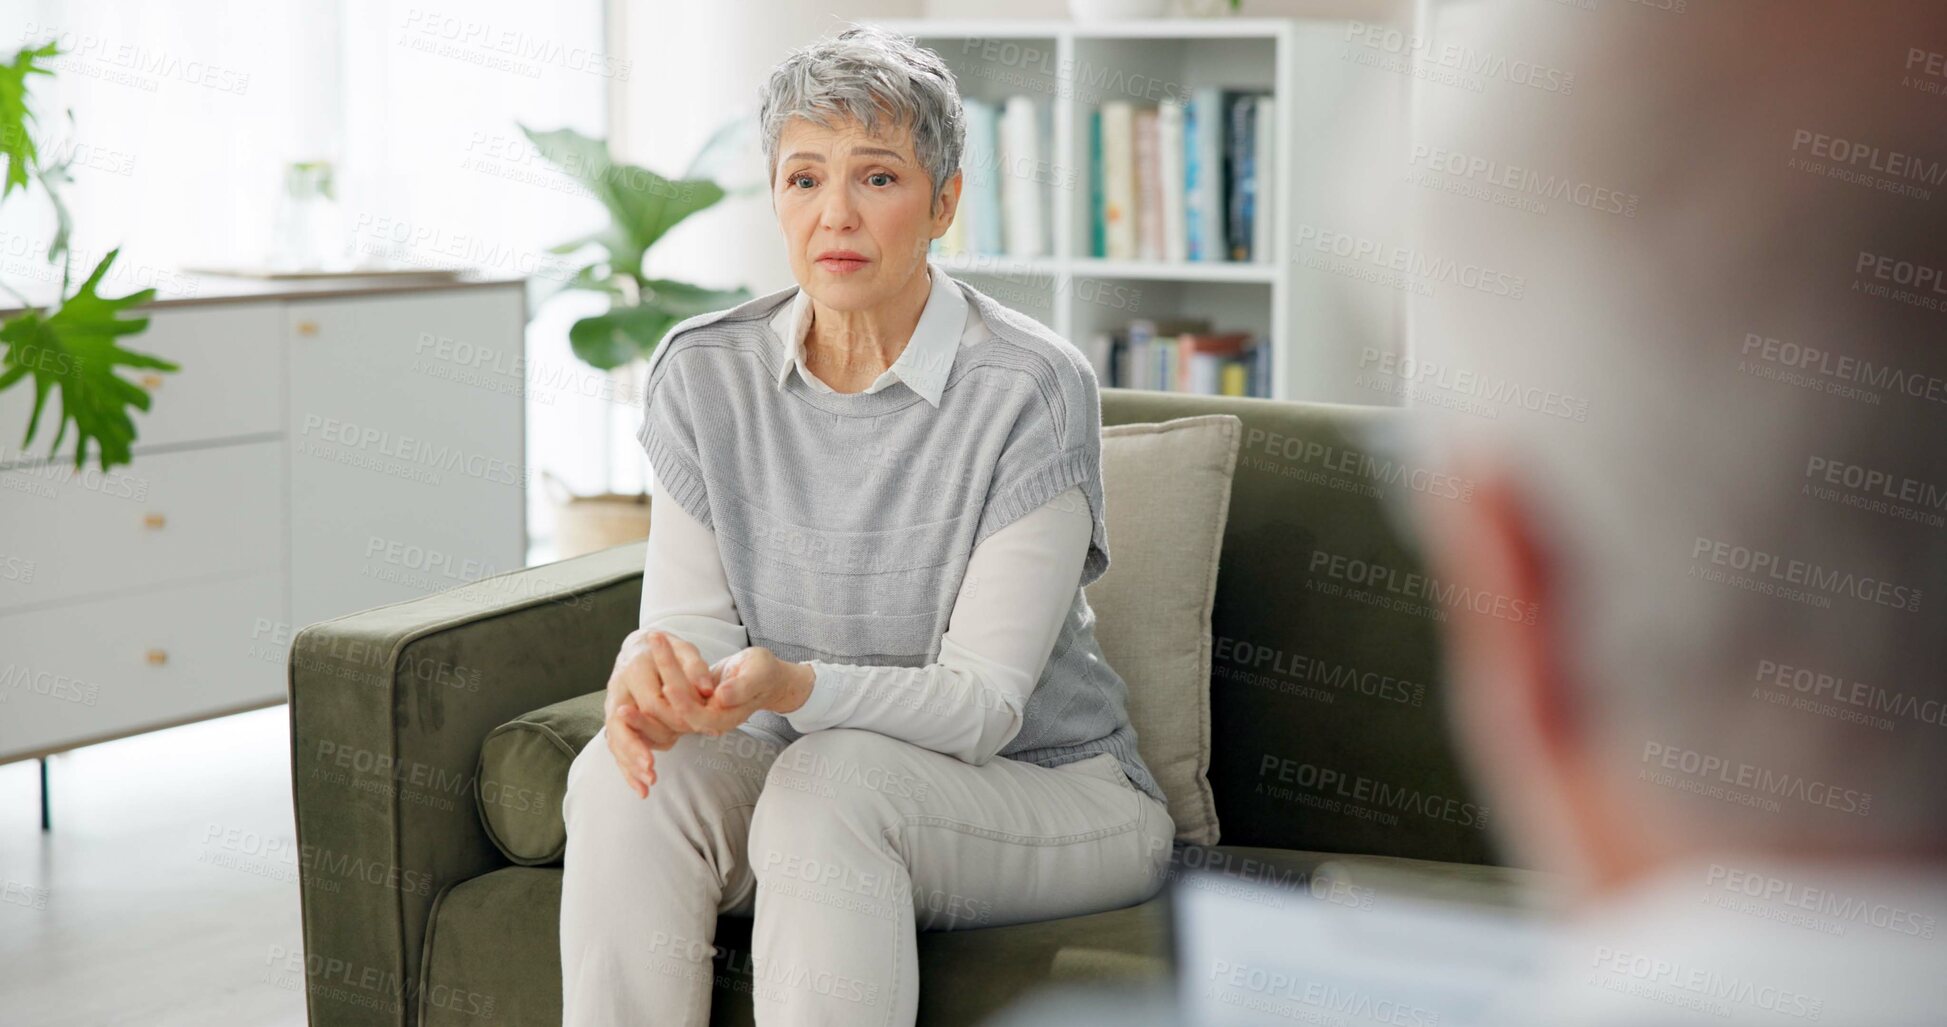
(842, 264)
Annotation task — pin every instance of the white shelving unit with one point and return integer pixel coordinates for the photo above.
(1340, 123)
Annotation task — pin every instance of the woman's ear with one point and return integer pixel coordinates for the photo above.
(949, 203)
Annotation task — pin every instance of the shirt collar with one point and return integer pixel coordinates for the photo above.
(928, 357)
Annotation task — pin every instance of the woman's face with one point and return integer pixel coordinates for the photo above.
(840, 190)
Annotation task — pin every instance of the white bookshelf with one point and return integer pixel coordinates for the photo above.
(1340, 143)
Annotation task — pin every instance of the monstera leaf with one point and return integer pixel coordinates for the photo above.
(74, 349)
(642, 206)
(626, 332)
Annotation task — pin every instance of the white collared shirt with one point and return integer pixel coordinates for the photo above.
(945, 324)
(1019, 586)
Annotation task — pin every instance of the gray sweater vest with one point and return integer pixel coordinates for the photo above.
(846, 520)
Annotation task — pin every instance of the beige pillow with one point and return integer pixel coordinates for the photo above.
(1167, 490)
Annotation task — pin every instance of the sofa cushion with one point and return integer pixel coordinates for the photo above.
(1326, 684)
(1166, 486)
(493, 942)
(523, 776)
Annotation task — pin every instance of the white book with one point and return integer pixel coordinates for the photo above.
(1149, 192)
(1020, 192)
(1264, 162)
(1169, 159)
(1100, 343)
(1119, 180)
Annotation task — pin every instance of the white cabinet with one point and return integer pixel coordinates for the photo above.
(169, 516)
(237, 354)
(137, 661)
(407, 469)
(318, 453)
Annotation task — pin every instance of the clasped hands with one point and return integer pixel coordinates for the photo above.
(661, 689)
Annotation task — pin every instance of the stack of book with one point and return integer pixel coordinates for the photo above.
(1004, 195)
(1183, 181)
(1182, 355)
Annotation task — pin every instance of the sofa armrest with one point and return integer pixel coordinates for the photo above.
(388, 710)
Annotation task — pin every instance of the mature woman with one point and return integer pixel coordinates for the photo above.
(866, 697)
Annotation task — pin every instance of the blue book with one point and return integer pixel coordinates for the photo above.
(1203, 170)
(1097, 196)
(981, 192)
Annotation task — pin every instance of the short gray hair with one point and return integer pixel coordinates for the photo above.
(869, 74)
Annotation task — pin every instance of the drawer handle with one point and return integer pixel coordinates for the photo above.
(156, 657)
(152, 382)
(307, 327)
(154, 520)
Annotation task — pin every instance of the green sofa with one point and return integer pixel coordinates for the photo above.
(1327, 723)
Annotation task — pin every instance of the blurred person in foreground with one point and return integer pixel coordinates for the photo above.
(1726, 729)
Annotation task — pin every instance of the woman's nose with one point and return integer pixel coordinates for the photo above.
(840, 211)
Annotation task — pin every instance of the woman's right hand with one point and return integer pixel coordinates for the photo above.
(637, 714)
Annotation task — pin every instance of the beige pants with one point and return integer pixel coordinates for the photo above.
(840, 845)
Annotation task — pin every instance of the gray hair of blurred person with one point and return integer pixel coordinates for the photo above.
(877, 78)
(1713, 354)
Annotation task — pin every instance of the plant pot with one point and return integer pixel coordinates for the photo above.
(1116, 10)
(584, 524)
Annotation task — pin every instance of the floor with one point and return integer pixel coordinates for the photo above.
(166, 893)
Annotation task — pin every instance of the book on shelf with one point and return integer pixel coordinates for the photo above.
(1181, 355)
(1203, 191)
(1169, 178)
(1096, 241)
(1264, 171)
(1115, 177)
(1004, 202)
(1183, 181)
(1240, 164)
(1149, 188)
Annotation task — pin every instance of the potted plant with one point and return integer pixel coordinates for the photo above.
(642, 206)
(73, 344)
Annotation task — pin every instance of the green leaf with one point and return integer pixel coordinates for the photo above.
(54, 178)
(16, 145)
(642, 205)
(593, 278)
(685, 300)
(74, 349)
(624, 333)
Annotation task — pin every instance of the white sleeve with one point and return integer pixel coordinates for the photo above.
(684, 590)
(1020, 585)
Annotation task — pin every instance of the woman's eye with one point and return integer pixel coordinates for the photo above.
(881, 174)
(795, 179)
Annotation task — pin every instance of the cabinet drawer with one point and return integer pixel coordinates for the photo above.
(72, 673)
(231, 381)
(165, 517)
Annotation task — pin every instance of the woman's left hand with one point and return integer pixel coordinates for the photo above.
(748, 681)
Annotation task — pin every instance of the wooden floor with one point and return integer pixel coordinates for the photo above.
(167, 891)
